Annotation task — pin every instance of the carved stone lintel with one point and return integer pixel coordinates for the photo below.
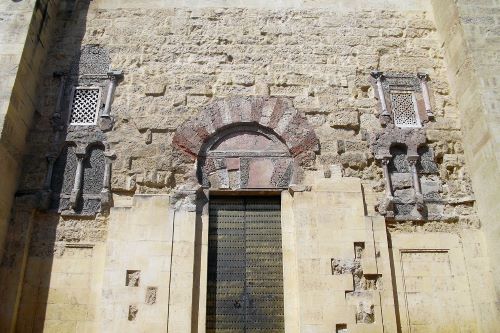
(425, 92)
(379, 76)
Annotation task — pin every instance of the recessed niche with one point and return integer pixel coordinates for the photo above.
(151, 295)
(132, 278)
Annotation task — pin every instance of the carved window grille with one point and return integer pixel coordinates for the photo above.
(85, 105)
(404, 108)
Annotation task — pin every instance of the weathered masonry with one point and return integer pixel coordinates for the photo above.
(249, 166)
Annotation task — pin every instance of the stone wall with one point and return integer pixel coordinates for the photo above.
(469, 33)
(177, 62)
(24, 40)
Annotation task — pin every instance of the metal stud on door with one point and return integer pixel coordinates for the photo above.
(245, 270)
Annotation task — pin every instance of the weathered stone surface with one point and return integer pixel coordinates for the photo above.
(193, 72)
(345, 119)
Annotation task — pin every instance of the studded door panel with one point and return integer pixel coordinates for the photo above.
(245, 270)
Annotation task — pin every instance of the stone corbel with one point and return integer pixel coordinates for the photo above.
(379, 76)
(77, 187)
(419, 198)
(106, 186)
(425, 92)
(114, 76)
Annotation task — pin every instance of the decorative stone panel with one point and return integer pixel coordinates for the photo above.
(248, 142)
(403, 99)
(79, 178)
(410, 177)
(83, 197)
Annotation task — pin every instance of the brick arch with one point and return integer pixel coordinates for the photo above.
(274, 113)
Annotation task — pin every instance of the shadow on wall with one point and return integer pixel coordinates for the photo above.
(35, 237)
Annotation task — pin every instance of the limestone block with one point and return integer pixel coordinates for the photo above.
(343, 282)
(344, 119)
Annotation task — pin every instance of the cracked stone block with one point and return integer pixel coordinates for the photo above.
(133, 277)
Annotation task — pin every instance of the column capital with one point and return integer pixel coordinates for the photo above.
(423, 76)
(378, 75)
(51, 157)
(384, 159)
(115, 74)
(412, 159)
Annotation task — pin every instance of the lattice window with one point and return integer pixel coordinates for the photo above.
(404, 109)
(85, 106)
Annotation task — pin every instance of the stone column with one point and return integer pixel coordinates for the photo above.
(425, 92)
(386, 205)
(385, 169)
(51, 159)
(412, 160)
(45, 194)
(419, 198)
(62, 81)
(379, 76)
(77, 187)
(57, 122)
(106, 185)
(114, 76)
